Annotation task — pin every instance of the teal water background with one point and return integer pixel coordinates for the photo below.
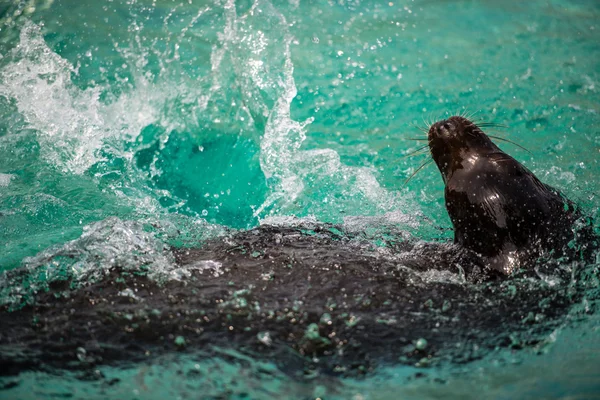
(126, 127)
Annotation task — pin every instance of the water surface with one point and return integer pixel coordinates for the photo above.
(130, 127)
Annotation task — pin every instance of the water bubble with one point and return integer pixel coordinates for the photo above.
(180, 341)
(325, 319)
(264, 338)
(81, 354)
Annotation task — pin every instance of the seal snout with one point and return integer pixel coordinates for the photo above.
(447, 126)
(443, 128)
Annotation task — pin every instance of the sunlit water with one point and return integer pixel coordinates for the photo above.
(129, 127)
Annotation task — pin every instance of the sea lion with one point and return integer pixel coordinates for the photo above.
(499, 208)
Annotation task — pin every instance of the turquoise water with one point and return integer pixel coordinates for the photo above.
(191, 117)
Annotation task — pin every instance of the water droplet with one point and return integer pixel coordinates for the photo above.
(421, 344)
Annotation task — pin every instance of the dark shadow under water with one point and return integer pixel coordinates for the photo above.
(313, 299)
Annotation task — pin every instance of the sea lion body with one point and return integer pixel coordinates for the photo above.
(499, 208)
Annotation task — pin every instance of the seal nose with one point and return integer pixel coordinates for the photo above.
(444, 127)
(447, 126)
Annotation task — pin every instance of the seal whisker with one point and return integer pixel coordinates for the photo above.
(471, 114)
(429, 119)
(415, 154)
(424, 121)
(420, 149)
(492, 125)
(426, 163)
(509, 141)
(483, 122)
(422, 129)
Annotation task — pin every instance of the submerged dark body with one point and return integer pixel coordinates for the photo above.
(498, 207)
(310, 299)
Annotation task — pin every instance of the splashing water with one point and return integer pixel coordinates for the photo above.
(91, 130)
(72, 131)
(131, 129)
(260, 42)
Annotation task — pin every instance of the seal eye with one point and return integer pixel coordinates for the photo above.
(447, 126)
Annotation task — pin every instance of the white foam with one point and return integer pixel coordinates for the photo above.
(39, 80)
(103, 246)
(75, 129)
(5, 179)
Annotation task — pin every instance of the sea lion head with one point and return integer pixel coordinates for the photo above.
(455, 139)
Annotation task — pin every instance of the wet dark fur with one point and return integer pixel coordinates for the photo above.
(498, 207)
(280, 280)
